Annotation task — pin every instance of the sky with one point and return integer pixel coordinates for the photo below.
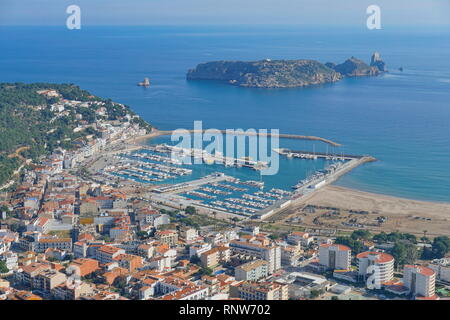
(176, 12)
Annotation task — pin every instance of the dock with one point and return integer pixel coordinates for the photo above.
(315, 155)
(208, 158)
(156, 133)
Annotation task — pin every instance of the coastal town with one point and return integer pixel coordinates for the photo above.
(87, 223)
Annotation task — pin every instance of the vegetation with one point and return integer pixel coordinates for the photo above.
(5, 209)
(357, 246)
(3, 267)
(190, 210)
(394, 237)
(142, 235)
(206, 271)
(439, 248)
(316, 293)
(404, 250)
(266, 74)
(30, 129)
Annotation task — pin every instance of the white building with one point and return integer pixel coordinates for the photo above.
(198, 250)
(272, 254)
(160, 263)
(252, 271)
(188, 234)
(10, 259)
(383, 263)
(300, 237)
(419, 280)
(442, 269)
(335, 256)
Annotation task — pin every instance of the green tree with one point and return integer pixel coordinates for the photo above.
(190, 210)
(404, 253)
(120, 282)
(142, 235)
(3, 267)
(356, 245)
(206, 271)
(440, 246)
(380, 237)
(361, 235)
(315, 293)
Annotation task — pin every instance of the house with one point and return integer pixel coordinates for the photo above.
(252, 271)
(210, 258)
(83, 267)
(105, 254)
(169, 237)
(297, 237)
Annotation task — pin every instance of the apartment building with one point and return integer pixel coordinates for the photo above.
(107, 254)
(383, 262)
(252, 271)
(442, 269)
(210, 258)
(263, 291)
(169, 237)
(419, 280)
(335, 256)
(271, 254)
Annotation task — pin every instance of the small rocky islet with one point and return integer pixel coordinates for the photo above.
(285, 73)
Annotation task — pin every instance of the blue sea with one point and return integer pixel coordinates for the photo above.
(401, 118)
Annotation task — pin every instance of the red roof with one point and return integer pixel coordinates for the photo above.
(381, 256)
(422, 270)
(434, 297)
(339, 246)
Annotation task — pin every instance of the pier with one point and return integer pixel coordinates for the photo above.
(315, 155)
(305, 189)
(208, 158)
(157, 133)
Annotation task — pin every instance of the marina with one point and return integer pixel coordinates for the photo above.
(182, 181)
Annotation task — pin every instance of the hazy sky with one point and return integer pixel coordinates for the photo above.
(144, 12)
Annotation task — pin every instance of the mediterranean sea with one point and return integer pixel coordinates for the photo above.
(401, 118)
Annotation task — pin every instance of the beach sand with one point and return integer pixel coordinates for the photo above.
(404, 215)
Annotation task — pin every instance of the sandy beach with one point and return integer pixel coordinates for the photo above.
(402, 214)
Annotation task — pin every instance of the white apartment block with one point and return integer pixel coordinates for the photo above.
(382, 261)
(335, 256)
(271, 254)
(419, 280)
(442, 269)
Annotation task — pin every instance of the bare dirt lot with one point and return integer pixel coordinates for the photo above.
(346, 209)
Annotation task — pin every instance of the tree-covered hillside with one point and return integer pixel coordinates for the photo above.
(33, 120)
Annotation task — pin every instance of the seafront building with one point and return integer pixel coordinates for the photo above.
(335, 256)
(420, 281)
(442, 269)
(383, 262)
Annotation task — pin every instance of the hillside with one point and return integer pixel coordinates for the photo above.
(43, 117)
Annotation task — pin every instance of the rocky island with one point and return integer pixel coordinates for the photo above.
(285, 73)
